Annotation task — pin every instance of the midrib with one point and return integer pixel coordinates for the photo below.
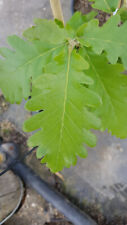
(37, 57)
(64, 104)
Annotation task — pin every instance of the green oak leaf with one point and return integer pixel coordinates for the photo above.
(109, 37)
(78, 19)
(111, 84)
(65, 124)
(72, 86)
(25, 61)
(46, 31)
(22, 65)
(108, 6)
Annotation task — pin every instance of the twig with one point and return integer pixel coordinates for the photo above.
(57, 10)
(119, 4)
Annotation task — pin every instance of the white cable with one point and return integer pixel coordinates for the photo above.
(18, 204)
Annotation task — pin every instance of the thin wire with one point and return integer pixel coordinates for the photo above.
(18, 204)
(28, 153)
(4, 171)
(15, 161)
(21, 184)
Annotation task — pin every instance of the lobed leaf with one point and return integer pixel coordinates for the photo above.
(111, 84)
(109, 37)
(72, 86)
(78, 19)
(66, 120)
(22, 65)
(46, 31)
(108, 6)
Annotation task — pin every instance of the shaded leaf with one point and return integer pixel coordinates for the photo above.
(123, 14)
(78, 19)
(111, 84)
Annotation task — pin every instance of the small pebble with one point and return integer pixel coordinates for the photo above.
(33, 205)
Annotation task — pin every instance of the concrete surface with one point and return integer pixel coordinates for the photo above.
(17, 15)
(101, 179)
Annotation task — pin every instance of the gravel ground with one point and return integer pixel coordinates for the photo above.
(34, 209)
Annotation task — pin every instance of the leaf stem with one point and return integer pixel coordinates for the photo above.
(57, 10)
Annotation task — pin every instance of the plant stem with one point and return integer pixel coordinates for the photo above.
(57, 10)
(119, 4)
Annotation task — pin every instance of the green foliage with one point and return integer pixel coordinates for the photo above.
(21, 65)
(68, 72)
(123, 14)
(110, 37)
(108, 6)
(66, 121)
(111, 85)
